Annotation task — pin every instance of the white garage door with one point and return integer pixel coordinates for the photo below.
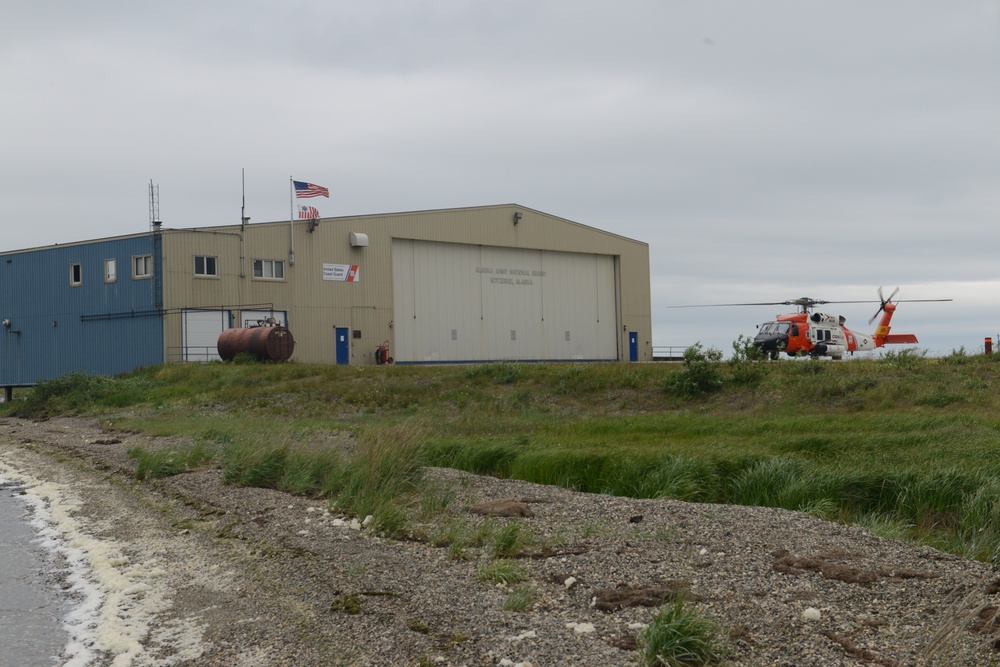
(454, 302)
(200, 331)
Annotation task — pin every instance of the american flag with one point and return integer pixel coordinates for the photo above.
(310, 190)
(308, 212)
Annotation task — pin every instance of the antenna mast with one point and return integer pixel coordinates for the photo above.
(244, 218)
(154, 206)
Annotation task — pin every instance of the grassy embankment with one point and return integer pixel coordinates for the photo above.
(905, 445)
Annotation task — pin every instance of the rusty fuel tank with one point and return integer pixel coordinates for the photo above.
(263, 343)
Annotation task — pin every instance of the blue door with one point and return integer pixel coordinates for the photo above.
(343, 347)
(633, 346)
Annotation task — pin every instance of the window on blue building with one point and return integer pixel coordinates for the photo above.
(75, 274)
(110, 270)
(142, 266)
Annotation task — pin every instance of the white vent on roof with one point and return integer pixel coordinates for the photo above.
(359, 240)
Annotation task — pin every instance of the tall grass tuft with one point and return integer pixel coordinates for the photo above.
(679, 637)
(257, 461)
(778, 482)
(669, 476)
(978, 532)
(160, 463)
(503, 571)
(385, 465)
(510, 541)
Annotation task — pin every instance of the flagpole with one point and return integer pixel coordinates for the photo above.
(291, 219)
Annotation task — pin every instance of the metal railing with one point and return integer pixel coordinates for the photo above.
(669, 352)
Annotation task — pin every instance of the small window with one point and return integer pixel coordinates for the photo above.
(75, 274)
(110, 270)
(142, 266)
(269, 268)
(204, 265)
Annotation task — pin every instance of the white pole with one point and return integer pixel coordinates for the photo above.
(291, 219)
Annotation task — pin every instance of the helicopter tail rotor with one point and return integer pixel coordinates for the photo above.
(883, 301)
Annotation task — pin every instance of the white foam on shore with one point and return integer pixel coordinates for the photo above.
(115, 603)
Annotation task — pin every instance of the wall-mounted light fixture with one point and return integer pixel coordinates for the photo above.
(6, 324)
(517, 217)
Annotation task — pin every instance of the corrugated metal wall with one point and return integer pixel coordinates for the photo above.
(95, 327)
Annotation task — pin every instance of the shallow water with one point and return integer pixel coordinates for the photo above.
(31, 607)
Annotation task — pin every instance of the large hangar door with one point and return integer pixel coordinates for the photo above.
(454, 302)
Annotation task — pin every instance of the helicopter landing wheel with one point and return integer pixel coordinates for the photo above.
(773, 355)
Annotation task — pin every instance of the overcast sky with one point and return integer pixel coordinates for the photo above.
(765, 150)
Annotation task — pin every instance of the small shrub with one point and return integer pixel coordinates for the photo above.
(679, 637)
(744, 369)
(700, 376)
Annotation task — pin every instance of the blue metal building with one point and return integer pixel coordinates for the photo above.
(92, 307)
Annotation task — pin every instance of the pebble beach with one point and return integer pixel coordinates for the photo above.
(188, 571)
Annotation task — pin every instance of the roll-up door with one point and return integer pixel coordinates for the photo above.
(200, 331)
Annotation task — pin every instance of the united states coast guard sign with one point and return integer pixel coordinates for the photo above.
(341, 272)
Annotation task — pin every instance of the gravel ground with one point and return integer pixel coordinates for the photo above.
(257, 577)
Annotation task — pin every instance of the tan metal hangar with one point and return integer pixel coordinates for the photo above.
(457, 285)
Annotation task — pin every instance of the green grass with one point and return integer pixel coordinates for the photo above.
(503, 571)
(155, 464)
(679, 637)
(905, 443)
(519, 599)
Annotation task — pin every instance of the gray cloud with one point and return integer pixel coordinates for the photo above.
(764, 150)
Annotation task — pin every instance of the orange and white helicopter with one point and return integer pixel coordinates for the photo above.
(821, 335)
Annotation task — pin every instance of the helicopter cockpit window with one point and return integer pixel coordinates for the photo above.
(781, 327)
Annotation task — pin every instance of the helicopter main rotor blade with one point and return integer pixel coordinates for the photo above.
(724, 305)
